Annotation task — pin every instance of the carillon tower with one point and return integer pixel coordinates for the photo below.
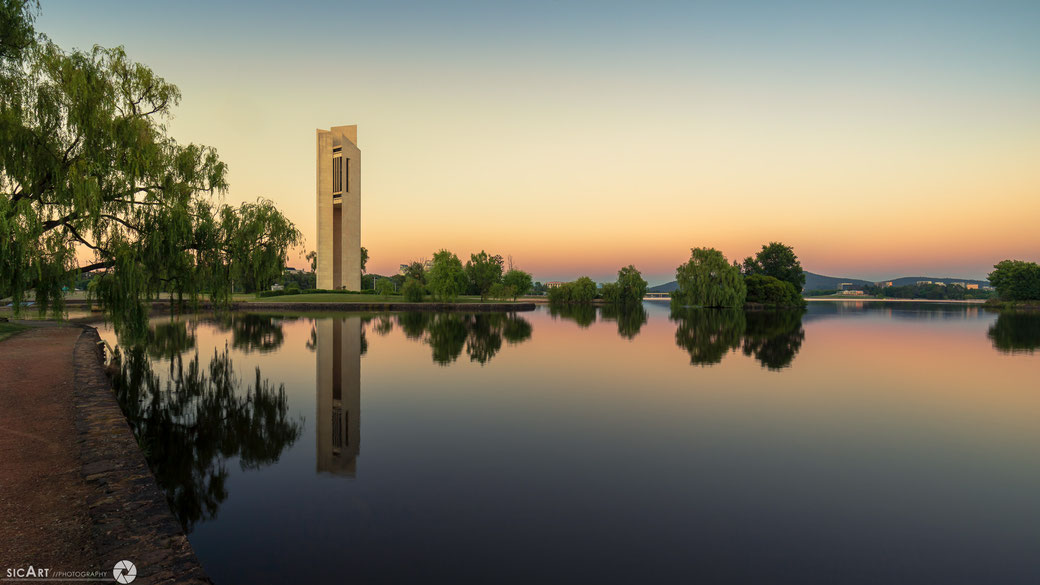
(339, 209)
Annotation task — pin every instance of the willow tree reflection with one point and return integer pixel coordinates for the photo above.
(708, 334)
(192, 422)
(169, 339)
(772, 337)
(583, 315)
(630, 318)
(251, 332)
(1016, 332)
(481, 334)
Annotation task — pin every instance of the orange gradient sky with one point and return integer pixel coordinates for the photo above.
(879, 141)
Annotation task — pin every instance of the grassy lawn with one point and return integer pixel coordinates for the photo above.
(344, 298)
(9, 329)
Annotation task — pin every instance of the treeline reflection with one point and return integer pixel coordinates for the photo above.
(629, 319)
(772, 337)
(192, 419)
(1016, 332)
(480, 335)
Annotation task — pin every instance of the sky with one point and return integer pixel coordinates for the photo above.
(878, 139)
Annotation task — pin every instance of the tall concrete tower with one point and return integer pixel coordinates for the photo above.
(339, 209)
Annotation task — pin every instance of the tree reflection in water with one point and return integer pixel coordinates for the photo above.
(583, 315)
(480, 334)
(196, 419)
(630, 319)
(708, 334)
(772, 337)
(251, 332)
(1016, 332)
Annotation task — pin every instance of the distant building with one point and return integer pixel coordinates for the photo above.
(277, 287)
(554, 284)
(924, 282)
(986, 287)
(844, 285)
(939, 283)
(884, 284)
(971, 286)
(960, 284)
(852, 292)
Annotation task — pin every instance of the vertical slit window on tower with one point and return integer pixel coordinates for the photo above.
(337, 174)
(346, 175)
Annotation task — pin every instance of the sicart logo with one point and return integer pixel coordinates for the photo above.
(124, 572)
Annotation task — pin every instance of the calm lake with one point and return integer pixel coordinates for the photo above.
(857, 443)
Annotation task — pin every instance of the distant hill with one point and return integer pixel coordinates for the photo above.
(666, 287)
(815, 281)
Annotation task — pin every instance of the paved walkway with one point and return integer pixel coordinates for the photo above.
(44, 515)
(76, 493)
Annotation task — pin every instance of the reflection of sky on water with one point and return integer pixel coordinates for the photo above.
(893, 444)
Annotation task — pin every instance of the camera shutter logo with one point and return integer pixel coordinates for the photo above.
(124, 572)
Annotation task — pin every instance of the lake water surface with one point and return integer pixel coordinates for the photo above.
(853, 444)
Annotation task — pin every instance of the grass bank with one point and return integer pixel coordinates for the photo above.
(1013, 305)
(8, 329)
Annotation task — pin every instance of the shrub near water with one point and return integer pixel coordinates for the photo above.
(771, 291)
(412, 290)
(581, 291)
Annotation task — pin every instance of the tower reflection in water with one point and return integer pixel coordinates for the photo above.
(339, 394)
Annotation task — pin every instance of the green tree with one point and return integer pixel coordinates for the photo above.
(708, 280)
(384, 287)
(1016, 280)
(446, 278)
(502, 292)
(416, 269)
(629, 289)
(364, 258)
(85, 162)
(250, 247)
(583, 290)
(519, 280)
(16, 29)
(312, 256)
(484, 271)
(412, 290)
(780, 262)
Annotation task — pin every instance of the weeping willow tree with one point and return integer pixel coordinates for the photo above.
(91, 181)
(708, 280)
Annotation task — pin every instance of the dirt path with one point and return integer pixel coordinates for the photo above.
(44, 515)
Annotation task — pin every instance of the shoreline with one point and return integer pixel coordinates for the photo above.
(866, 299)
(78, 492)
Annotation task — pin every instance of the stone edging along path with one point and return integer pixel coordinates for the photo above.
(129, 514)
